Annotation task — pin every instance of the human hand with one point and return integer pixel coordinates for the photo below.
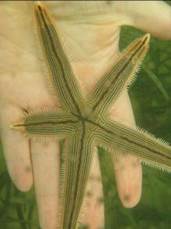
(23, 89)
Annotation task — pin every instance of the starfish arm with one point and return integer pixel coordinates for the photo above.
(122, 73)
(149, 149)
(63, 79)
(77, 160)
(49, 123)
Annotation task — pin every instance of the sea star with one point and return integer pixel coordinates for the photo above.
(84, 122)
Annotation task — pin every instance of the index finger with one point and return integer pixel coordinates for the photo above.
(127, 168)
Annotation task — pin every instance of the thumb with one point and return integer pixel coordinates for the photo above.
(151, 16)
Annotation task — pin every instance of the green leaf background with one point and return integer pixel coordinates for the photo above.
(151, 100)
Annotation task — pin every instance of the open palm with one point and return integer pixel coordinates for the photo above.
(90, 40)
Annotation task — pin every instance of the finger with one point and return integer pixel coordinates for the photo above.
(92, 212)
(16, 149)
(151, 16)
(128, 171)
(45, 159)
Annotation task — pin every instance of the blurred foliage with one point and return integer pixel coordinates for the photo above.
(150, 96)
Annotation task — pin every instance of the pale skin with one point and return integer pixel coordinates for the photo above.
(92, 47)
